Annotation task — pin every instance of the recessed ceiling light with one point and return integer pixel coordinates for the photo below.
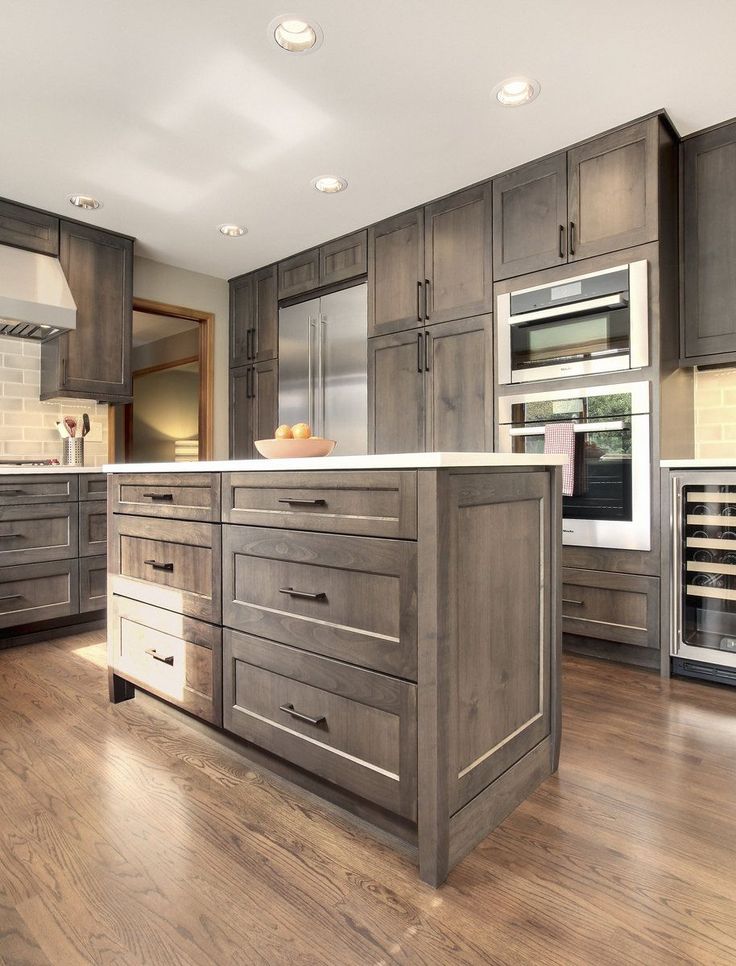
(293, 33)
(329, 183)
(515, 91)
(232, 231)
(85, 201)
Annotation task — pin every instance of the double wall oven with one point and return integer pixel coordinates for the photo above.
(611, 501)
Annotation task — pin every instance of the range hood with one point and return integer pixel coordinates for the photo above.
(35, 300)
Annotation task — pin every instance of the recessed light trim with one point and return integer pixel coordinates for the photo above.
(232, 231)
(329, 184)
(516, 91)
(85, 201)
(295, 34)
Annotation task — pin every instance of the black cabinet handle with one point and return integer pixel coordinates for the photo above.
(419, 351)
(426, 351)
(572, 237)
(253, 343)
(301, 594)
(168, 567)
(10, 536)
(575, 603)
(151, 651)
(291, 710)
(292, 501)
(426, 298)
(13, 493)
(249, 344)
(250, 384)
(562, 241)
(419, 301)
(12, 597)
(63, 371)
(162, 497)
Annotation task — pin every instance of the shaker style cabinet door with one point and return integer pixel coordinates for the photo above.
(241, 413)
(265, 400)
(396, 393)
(459, 385)
(299, 274)
(242, 319)
(709, 244)
(458, 256)
(396, 274)
(265, 340)
(613, 198)
(343, 259)
(530, 218)
(26, 228)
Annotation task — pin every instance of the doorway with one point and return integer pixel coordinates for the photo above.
(170, 417)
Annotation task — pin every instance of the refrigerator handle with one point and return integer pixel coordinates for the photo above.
(322, 327)
(310, 366)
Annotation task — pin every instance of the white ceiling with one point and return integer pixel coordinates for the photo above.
(181, 114)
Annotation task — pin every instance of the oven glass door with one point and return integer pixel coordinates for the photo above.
(709, 567)
(602, 335)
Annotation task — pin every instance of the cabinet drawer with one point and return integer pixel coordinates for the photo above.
(614, 607)
(38, 592)
(93, 487)
(351, 598)
(168, 563)
(380, 504)
(92, 528)
(92, 584)
(17, 490)
(183, 496)
(178, 659)
(32, 534)
(349, 726)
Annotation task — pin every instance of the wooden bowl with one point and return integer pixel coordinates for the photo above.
(294, 449)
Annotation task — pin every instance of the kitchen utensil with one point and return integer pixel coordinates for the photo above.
(71, 425)
(85, 424)
(73, 452)
(285, 449)
(61, 429)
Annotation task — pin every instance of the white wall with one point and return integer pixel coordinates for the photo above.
(177, 286)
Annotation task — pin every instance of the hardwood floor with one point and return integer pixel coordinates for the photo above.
(126, 837)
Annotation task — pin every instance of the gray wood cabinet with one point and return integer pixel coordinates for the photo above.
(709, 246)
(254, 400)
(21, 227)
(299, 274)
(396, 274)
(396, 393)
(93, 361)
(254, 317)
(343, 258)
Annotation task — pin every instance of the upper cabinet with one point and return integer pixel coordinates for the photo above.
(254, 312)
(28, 228)
(709, 246)
(337, 261)
(599, 197)
(432, 264)
(299, 274)
(93, 360)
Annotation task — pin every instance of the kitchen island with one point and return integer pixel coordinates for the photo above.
(382, 630)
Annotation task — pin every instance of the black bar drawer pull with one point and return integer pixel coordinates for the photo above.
(301, 594)
(419, 303)
(10, 536)
(575, 603)
(295, 502)
(13, 493)
(159, 496)
(572, 237)
(562, 241)
(169, 567)
(12, 597)
(151, 651)
(290, 710)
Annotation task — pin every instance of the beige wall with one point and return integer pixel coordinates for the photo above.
(715, 413)
(166, 409)
(177, 286)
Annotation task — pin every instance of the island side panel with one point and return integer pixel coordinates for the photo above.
(118, 688)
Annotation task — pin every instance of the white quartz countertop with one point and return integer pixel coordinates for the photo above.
(47, 470)
(392, 461)
(700, 464)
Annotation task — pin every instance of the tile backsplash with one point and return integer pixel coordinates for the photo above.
(27, 425)
(715, 413)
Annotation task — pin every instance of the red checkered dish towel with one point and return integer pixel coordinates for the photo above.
(560, 438)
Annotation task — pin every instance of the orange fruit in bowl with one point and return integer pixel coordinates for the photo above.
(301, 431)
(283, 432)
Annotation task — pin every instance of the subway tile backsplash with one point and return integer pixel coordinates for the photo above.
(27, 425)
(715, 413)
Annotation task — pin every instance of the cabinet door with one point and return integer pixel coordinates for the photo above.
(458, 279)
(396, 274)
(28, 228)
(613, 191)
(265, 344)
(94, 359)
(396, 393)
(709, 242)
(299, 274)
(265, 400)
(241, 413)
(343, 259)
(530, 218)
(242, 319)
(459, 385)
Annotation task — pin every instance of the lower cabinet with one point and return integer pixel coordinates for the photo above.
(350, 726)
(174, 657)
(432, 389)
(254, 403)
(621, 608)
(38, 592)
(92, 583)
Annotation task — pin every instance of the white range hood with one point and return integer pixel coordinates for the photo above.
(35, 300)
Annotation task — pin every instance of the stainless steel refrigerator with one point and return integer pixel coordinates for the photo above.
(323, 367)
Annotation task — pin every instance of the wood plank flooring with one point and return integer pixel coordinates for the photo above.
(127, 837)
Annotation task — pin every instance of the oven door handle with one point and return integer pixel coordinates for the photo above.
(611, 427)
(572, 308)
